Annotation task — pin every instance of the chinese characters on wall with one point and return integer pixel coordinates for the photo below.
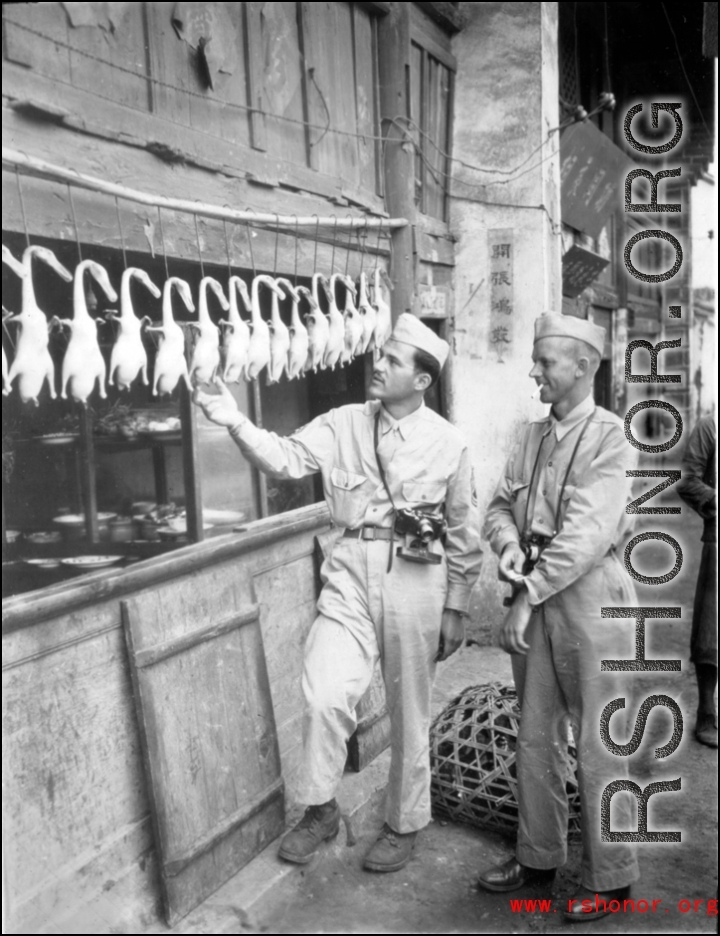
(500, 250)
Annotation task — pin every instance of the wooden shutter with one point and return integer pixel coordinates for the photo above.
(207, 730)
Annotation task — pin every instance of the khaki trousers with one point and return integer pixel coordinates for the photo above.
(560, 679)
(364, 613)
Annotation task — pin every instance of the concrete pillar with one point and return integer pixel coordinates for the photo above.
(506, 109)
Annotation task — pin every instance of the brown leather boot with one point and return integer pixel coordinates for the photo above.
(319, 824)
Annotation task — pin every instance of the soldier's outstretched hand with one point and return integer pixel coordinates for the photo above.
(220, 407)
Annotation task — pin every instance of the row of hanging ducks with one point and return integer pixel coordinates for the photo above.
(235, 349)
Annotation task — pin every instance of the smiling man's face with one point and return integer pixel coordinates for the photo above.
(555, 367)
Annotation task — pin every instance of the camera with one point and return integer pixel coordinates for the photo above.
(419, 530)
(532, 544)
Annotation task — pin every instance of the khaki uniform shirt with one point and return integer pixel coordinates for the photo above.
(591, 519)
(426, 464)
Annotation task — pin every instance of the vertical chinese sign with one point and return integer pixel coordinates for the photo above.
(500, 250)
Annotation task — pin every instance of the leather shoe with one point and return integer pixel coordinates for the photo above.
(587, 904)
(391, 851)
(512, 875)
(319, 824)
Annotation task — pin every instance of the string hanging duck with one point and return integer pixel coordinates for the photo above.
(32, 365)
(84, 365)
(259, 350)
(129, 357)
(353, 333)
(383, 325)
(170, 363)
(299, 338)
(317, 326)
(368, 315)
(205, 359)
(279, 335)
(18, 269)
(336, 326)
(236, 337)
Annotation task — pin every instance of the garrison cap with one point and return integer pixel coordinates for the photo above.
(410, 330)
(551, 325)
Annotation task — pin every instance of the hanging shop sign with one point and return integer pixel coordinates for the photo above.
(590, 167)
(580, 268)
(432, 301)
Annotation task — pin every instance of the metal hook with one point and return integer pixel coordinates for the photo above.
(162, 239)
(347, 247)
(297, 245)
(22, 206)
(361, 242)
(227, 247)
(277, 238)
(377, 246)
(334, 241)
(317, 234)
(249, 239)
(197, 238)
(122, 236)
(72, 211)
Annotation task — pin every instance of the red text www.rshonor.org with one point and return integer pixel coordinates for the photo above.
(702, 907)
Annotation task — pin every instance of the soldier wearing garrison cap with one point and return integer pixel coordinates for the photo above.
(557, 520)
(389, 460)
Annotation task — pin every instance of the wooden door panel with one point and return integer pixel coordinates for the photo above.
(208, 732)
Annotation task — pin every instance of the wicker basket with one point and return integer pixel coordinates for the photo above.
(472, 755)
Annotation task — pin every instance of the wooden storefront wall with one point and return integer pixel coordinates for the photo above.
(78, 839)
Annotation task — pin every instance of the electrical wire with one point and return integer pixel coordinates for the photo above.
(122, 236)
(162, 239)
(75, 225)
(22, 207)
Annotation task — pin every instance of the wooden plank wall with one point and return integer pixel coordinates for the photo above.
(135, 70)
(77, 834)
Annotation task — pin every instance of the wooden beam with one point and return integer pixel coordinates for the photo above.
(41, 168)
(446, 15)
(394, 59)
(27, 610)
(254, 66)
(156, 654)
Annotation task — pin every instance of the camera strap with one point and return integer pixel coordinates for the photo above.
(533, 476)
(376, 439)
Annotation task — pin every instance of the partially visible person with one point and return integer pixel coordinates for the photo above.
(697, 488)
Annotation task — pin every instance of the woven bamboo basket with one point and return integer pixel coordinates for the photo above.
(472, 756)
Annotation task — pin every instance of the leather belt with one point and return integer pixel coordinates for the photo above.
(369, 533)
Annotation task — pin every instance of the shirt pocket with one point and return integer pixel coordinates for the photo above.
(424, 493)
(349, 496)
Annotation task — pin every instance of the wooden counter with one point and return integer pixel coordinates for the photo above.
(77, 836)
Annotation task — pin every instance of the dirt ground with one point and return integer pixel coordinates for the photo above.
(436, 892)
